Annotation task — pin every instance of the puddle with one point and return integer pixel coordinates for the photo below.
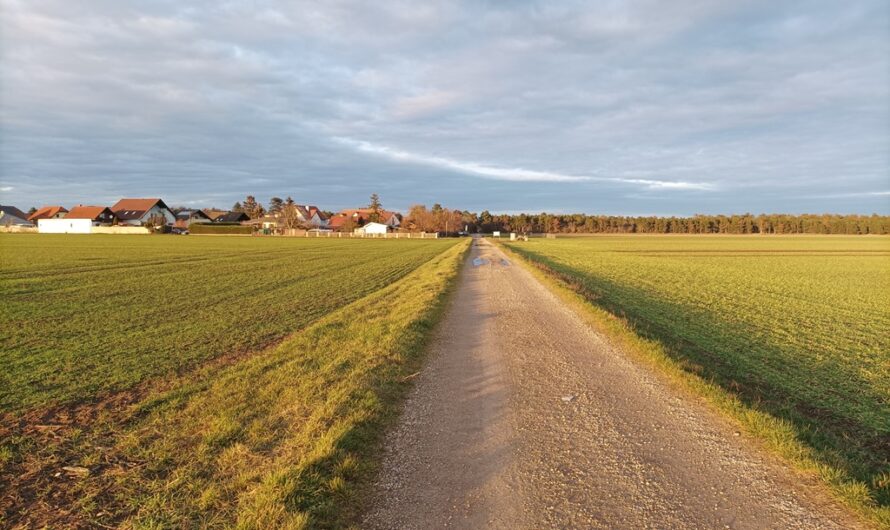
(480, 261)
(505, 263)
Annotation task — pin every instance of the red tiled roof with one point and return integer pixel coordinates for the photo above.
(47, 212)
(88, 212)
(127, 209)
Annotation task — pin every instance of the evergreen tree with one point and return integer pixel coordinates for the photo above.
(375, 208)
(275, 204)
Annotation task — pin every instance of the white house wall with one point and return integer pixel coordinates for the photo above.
(64, 226)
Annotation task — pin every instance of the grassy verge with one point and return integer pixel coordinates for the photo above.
(282, 439)
(777, 435)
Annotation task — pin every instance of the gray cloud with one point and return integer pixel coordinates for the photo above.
(622, 107)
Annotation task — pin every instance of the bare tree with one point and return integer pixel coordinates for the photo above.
(289, 215)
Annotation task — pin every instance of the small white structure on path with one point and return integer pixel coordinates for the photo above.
(372, 228)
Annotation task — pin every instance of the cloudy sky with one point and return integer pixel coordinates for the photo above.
(622, 107)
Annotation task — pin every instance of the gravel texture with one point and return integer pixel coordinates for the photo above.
(524, 417)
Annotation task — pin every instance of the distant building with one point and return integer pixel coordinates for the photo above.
(214, 214)
(186, 217)
(48, 212)
(137, 212)
(310, 215)
(98, 215)
(361, 216)
(231, 217)
(12, 216)
(372, 228)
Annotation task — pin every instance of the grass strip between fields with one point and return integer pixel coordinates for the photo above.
(777, 435)
(286, 438)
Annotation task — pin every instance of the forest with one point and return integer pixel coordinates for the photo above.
(445, 220)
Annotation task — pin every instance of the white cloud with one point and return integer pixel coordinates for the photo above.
(759, 103)
(851, 195)
(512, 174)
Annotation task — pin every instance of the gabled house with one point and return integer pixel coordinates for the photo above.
(372, 228)
(213, 213)
(186, 217)
(361, 216)
(137, 212)
(48, 212)
(232, 217)
(316, 217)
(310, 215)
(12, 216)
(98, 215)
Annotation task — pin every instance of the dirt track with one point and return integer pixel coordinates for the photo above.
(526, 418)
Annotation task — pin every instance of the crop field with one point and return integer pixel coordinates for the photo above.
(160, 381)
(798, 327)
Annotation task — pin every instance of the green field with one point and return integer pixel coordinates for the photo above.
(798, 327)
(88, 315)
(203, 381)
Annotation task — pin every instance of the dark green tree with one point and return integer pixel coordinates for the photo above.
(375, 208)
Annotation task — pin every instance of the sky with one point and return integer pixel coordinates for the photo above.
(610, 107)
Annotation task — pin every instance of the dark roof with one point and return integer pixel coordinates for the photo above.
(213, 213)
(191, 214)
(12, 210)
(232, 217)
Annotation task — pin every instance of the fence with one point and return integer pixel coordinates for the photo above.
(131, 230)
(387, 235)
(296, 232)
(18, 229)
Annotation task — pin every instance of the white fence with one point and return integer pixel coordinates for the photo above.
(18, 229)
(298, 232)
(133, 230)
(388, 235)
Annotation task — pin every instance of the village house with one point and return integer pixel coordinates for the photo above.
(98, 215)
(362, 216)
(310, 215)
(372, 228)
(48, 212)
(137, 212)
(186, 217)
(231, 217)
(213, 213)
(80, 220)
(12, 216)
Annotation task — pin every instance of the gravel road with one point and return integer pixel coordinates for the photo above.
(524, 417)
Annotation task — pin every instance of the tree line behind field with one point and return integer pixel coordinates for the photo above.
(439, 219)
(698, 224)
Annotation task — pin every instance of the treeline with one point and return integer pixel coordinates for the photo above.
(442, 219)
